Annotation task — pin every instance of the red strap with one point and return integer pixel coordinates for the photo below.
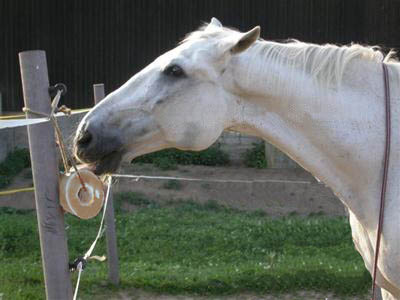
(385, 174)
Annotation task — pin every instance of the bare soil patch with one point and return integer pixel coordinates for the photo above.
(290, 192)
(137, 294)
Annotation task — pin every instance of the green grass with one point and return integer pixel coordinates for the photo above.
(172, 185)
(14, 163)
(255, 156)
(169, 159)
(185, 247)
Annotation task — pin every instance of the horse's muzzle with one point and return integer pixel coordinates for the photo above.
(96, 144)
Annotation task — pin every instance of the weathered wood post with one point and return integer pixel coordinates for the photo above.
(112, 251)
(53, 242)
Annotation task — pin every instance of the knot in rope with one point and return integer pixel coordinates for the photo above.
(75, 264)
(65, 156)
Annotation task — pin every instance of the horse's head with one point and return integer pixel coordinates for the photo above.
(181, 100)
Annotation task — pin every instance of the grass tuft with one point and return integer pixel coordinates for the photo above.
(172, 185)
(136, 199)
(255, 156)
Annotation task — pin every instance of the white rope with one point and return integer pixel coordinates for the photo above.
(99, 234)
(79, 279)
(89, 252)
(18, 123)
(32, 121)
(138, 177)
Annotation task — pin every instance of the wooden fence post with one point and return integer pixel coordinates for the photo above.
(112, 251)
(53, 242)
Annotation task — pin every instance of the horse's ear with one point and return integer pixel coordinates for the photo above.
(246, 40)
(215, 22)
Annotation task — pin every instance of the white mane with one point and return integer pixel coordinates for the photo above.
(326, 63)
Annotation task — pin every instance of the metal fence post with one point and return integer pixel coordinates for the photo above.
(112, 251)
(53, 242)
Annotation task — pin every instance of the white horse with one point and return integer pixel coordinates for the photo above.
(322, 105)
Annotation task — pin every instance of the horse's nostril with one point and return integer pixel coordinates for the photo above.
(84, 139)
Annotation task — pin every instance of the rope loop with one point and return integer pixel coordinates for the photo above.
(74, 265)
(57, 87)
(60, 89)
(82, 260)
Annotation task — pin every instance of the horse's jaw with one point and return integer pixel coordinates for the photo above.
(111, 163)
(106, 165)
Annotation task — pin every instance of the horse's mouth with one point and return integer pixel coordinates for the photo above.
(107, 164)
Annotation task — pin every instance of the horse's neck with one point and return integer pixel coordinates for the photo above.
(336, 134)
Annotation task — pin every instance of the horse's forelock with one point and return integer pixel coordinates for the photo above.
(202, 33)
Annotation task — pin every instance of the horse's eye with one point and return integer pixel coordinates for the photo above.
(174, 70)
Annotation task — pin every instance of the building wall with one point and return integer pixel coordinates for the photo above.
(108, 41)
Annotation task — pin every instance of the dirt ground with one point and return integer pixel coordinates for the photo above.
(285, 192)
(303, 295)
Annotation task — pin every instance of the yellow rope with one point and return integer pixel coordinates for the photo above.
(10, 192)
(23, 116)
(12, 117)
